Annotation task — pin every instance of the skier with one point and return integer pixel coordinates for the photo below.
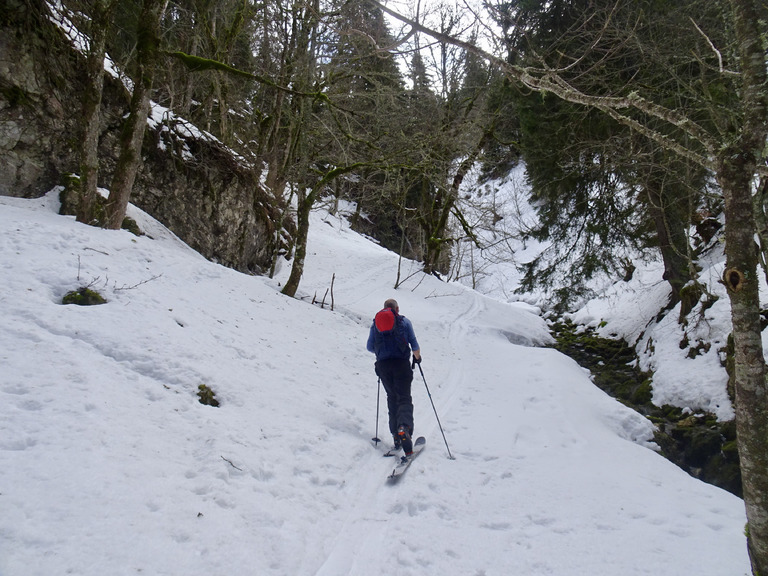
(392, 339)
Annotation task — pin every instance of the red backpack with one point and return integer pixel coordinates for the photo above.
(385, 320)
(389, 339)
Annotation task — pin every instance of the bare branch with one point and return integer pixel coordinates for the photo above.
(125, 287)
(550, 80)
(714, 49)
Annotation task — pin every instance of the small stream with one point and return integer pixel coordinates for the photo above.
(698, 443)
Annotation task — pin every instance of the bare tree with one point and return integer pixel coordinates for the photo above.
(100, 21)
(132, 136)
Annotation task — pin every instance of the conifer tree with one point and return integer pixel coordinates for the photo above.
(600, 189)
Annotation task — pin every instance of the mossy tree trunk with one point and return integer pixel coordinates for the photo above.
(305, 202)
(749, 365)
(100, 19)
(132, 136)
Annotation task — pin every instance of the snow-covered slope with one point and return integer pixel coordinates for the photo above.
(110, 465)
(632, 310)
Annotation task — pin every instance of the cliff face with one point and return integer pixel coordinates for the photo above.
(35, 124)
(191, 183)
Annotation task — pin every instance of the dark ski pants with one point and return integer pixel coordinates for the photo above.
(396, 375)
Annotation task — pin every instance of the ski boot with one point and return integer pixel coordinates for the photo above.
(405, 439)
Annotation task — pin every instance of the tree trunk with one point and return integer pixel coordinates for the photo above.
(735, 171)
(445, 202)
(220, 90)
(305, 202)
(279, 227)
(741, 279)
(132, 135)
(101, 18)
(673, 243)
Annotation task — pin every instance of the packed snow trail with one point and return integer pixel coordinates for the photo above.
(110, 465)
(534, 440)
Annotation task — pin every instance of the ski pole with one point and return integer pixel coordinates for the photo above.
(450, 456)
(376, 439)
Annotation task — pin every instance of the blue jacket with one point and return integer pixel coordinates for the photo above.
(410, 336)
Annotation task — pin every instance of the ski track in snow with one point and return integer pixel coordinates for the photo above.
(372, 521)
(109, 465)
(501, 410)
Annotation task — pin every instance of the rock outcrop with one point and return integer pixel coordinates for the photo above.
(207, 195)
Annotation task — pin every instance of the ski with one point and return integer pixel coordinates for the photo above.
(405, 461)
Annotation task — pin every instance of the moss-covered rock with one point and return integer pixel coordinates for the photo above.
(643, 394)
(132, 227)
(70, 197)
(690, 295)
(612, 363)
(206, 396)
(83, 296)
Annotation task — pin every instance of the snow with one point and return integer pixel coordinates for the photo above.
(624, 309)
(110, 465)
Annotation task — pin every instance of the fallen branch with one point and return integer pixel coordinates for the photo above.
(230, 463)
(124, 287)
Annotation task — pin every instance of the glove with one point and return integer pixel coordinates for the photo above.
(415, 361)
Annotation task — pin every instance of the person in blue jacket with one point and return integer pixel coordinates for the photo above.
(392, 339)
